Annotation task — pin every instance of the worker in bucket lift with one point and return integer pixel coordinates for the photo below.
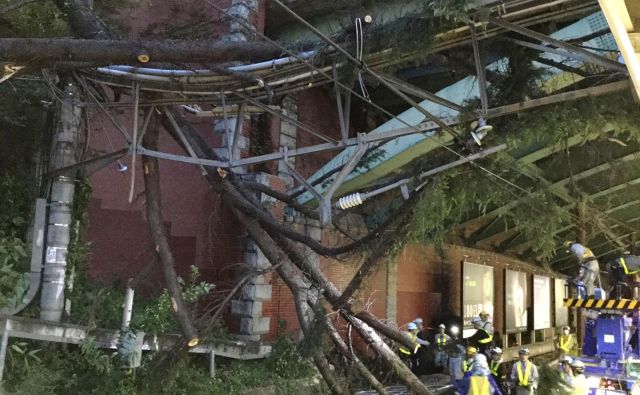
(566, 342)
(622, 268)
(441, 340)
(524, 374)
(589, 267)
(479, 381)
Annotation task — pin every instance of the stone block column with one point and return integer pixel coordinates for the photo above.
(249, 304)
(288, 137)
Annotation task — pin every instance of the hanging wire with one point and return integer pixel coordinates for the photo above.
(359, 56)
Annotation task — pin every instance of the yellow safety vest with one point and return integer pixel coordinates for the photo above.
(478, 385)
(466, 366)
(579, 384)
(626, 269)
(587, 253)
(494, 366)
(565, 345)
(523, 379)
(486, 340)
(441, 340)
(404, 350)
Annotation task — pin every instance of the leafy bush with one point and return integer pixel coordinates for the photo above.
(14, 279)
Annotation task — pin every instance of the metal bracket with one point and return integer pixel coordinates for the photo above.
(344, 122)
(325, 202)
(480, 72)
(236, 133)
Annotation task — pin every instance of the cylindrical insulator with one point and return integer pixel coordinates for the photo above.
(350, 201)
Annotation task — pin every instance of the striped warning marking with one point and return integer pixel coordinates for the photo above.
(591, 303)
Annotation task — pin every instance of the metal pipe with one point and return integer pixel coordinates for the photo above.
(127, 309)
(3, 347)
(212, 363)
(60, 203)
(181, 73)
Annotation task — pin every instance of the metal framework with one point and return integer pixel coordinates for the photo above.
(298, 72)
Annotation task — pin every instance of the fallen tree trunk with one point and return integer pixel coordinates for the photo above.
(159, 238)
(51, 50)
(359, 365)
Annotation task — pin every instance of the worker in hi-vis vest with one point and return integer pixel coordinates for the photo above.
(566, 343)
(482, 339)
(406, 353)
(623, 268)
(524, 374)
(467, 363)
(589, 267)
(579, 385)
(478, 380)
(498, 368)
(441, 340)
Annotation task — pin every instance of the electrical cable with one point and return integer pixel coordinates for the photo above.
(354, 60)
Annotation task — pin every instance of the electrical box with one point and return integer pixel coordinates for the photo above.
(130, 348)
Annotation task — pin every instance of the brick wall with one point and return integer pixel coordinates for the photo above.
(430, 285)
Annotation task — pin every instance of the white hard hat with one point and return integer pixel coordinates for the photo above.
(476, 320)
(418, 321)
(566, 328)
(576, 363)
(496, 350)
(523, 350)
(441, 326)
(412, 326)
(566, 359)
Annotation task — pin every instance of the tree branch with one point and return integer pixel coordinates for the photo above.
(158, 235)
(51, 50)
(283, 197)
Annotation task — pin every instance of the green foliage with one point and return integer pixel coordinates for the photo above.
(155, 314)
(450, 9)
(550, 381)
(14, 277)
(38, 19)
(56, 369)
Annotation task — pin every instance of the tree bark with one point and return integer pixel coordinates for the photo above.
(83, 20)
(359, 365)
(159, 238)
(51, 50)
(277, 249)
(300, 288)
